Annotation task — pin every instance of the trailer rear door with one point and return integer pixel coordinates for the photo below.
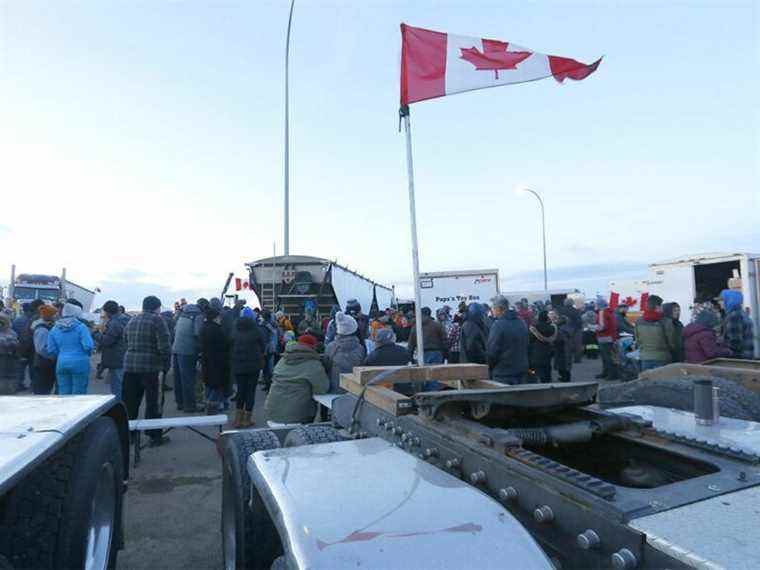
(674, 283)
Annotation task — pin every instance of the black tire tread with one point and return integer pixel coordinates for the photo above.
(32, 513)
(309, 435)
(736, 401)
(245, 443)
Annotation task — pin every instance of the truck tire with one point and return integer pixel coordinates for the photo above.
(678, 393)
(309, 435)
(249, 538)
(67, 512)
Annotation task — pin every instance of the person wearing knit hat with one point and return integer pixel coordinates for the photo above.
(297, 377)
(70, 342)
(308, 340)
(110, 340)
(387, 352)
(148, 353)
(43, 378)
(345, 352)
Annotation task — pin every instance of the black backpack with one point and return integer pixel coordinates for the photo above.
(26, 341)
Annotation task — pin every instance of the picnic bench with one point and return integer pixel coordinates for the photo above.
(167, 424)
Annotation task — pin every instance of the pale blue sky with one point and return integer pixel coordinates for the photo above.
(150, 134)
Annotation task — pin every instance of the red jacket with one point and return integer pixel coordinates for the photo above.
(700, 344)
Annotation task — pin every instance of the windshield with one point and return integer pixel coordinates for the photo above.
(31, 293)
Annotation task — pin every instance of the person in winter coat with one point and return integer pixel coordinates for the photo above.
(110, 341)
(564, 346)
(737, 326)
(507, 346)
(284, 322)
(185, 351)
(387, 352)
(345, 352)
(148, 354)
(330, 330)
(8, 358)
(700, 339)
(298, 376)
(215, 360)
(655, 336)
(433, 337)
(248, 348)
(272, 337)
(672, 311)
(354, 309)
(623, 325)
(70, 342)
(43, 378)
(543, 334)
(474, 335)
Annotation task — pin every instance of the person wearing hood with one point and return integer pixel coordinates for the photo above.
(148, 354)
(283, 322)
(507, 346)
(297, 378)
(474, 335)
(71, 344)
(185, 351)
(345, 352)
(110, 341)
(43, 378)
(606, 337)
(433, 337)
(700, 339)
(215, 360)
(737, 326)
(387, 352)
(672, 311)
(655, 336)
(543, 335)
(8, 358)
(330, 331)
(248, 348)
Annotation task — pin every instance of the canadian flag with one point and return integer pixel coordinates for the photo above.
(434, 64)
(240, 284)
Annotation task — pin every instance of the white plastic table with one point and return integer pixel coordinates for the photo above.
(166, 424)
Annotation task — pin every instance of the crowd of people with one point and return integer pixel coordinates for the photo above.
(218, 352)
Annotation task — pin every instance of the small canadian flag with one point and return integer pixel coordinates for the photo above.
(241, 285)
(435, 64)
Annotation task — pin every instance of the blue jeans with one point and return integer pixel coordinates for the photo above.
(214, 397)
(116, 378)
(650, 364)
(432, 357)
(70, 383)
(185, 374)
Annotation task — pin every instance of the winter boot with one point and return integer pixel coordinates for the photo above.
(238, 422)
(247, 420)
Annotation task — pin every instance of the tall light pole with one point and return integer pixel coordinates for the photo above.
(543, 227)
(287, 136)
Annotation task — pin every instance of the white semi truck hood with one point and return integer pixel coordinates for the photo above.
(33, 427)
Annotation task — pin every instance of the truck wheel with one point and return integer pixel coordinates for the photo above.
(249, 538)
(67, 512)
(309, 435)
(735, 400)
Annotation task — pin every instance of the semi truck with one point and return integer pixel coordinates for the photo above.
(64, 465)
(27, 287)
(449, 288)
(484, 475)
(292, 282)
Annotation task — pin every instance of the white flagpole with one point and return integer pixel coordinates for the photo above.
(287, 134)
(415, 251)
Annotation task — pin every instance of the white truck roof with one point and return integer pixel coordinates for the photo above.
(33, 427)
(705, 258)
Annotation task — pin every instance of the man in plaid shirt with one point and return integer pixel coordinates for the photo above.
(148, 354)
(737, 326)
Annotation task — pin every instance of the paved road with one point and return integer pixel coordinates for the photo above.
(174, 497)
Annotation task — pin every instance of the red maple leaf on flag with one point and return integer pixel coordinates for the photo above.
(494, 56)
(630, 301)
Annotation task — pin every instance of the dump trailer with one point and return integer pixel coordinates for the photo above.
(64, 464)
(290, 282)
(482, 475)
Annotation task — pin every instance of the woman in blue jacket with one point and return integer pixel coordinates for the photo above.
(71, 343)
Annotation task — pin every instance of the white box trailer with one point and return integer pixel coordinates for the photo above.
(699, 278)
(453, 287)
(554, 296)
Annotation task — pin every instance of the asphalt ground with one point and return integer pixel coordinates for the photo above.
(173, 505)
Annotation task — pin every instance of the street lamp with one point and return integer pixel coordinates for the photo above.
(522, 190)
